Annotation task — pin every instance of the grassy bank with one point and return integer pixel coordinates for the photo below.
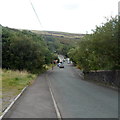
(48, 67)
(12, 84)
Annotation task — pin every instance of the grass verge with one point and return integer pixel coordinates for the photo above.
(48, 67)
(12, 84)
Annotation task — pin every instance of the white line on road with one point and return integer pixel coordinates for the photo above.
(8, 108)
(54, 101)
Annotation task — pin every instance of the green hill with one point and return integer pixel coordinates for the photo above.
(59, 34)
(60, 42)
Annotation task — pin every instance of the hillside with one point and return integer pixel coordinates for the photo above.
(60, 42)
(59, 34)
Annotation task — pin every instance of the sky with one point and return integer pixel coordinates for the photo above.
(73, 16)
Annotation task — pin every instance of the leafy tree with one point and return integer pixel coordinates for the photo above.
(24, 50)
(99, 50)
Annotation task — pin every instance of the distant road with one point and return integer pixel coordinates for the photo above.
(75, 97)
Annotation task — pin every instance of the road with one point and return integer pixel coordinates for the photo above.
(76, 98)
(81, 99)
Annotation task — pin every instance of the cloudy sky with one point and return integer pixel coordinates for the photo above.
(75, 16)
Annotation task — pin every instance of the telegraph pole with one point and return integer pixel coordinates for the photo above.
(119, 9)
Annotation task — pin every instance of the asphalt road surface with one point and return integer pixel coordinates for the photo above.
(75, 97)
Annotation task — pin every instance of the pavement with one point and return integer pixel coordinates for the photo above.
(76, 98)
(35, 102)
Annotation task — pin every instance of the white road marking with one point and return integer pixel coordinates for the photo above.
(8, 108)
(54, 101)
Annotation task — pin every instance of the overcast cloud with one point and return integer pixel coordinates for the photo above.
(75, 16)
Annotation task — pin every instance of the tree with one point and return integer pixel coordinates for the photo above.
(24, 50)
(99, 50)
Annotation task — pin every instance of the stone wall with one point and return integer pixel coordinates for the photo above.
(107, 77)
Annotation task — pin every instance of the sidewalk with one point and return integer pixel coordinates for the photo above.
(36, 102)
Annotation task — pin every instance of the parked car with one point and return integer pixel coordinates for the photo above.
(58, 64)
(61, 66)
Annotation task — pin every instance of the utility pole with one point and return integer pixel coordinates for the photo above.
(119, 9)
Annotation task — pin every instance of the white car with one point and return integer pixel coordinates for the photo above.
(58, 64)
(61, 66)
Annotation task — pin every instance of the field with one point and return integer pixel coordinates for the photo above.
(59, 34)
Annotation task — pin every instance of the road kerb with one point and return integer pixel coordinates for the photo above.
(8, 108)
